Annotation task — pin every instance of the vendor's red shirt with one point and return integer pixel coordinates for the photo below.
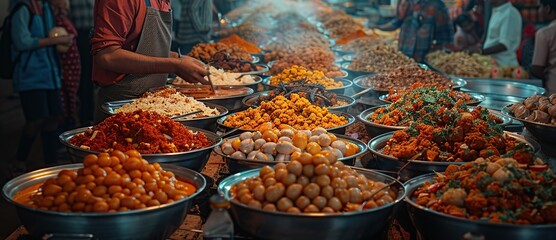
(118, 23)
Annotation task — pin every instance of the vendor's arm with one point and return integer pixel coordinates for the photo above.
(119, 60)
(540, 56)
(23, 40)
(112, 25)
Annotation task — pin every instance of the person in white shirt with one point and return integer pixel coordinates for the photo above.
(544, 58)
(504, 34)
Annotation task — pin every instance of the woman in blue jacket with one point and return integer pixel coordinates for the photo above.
(37, 78)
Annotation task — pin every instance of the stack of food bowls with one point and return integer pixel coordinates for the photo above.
(208, 123)
(364, 224)
(149, 223)
(252, 101)
(195, 159)
(236, 165)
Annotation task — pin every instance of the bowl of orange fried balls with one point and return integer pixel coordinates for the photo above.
(313, 196)
(116, 195)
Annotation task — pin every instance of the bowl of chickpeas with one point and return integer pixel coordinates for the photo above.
(313, 198)
(250, 150)
(110, 196)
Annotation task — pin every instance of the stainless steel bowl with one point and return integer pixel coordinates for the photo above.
(439, 226)
(150, 223)
(375, 129)
(544, 132)
(420, 167)
(208, 123)
(232, 103)
(346, 84)
(496, 87)
(353, 74)
(476, 99)
(252, 101)
(196, 159)
(340, 50)
(277, 225)
(236, 165)
(262, 68)
(254, 85)
(497, 102)
(336, 130)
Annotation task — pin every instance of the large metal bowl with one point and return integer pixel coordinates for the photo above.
(497, 102)
(262, 68)
(420, 167)
(252, 101)
(489, 87)
(207, 123)
(236, 165)
(353, 74)
(544, 132)
(232, 103)
(346, 84)
(150, 223)
(375, 129)
(196, 159)
(277, 225)
(434, 225)
(476, 99)
(257, 79)
(336, 130)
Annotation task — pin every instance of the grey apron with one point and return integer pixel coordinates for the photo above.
(155, 40)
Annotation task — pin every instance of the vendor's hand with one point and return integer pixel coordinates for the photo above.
(191, 70)
(474, 49)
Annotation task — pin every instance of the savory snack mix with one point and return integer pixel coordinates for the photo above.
(380, 59)
(296, 111)
(497, 190)
(146, 132)
(402, 77)
(296, 73)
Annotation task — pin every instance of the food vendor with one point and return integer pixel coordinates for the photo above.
(503, 35)
(131, 50)
(544, 58)
(425, 26)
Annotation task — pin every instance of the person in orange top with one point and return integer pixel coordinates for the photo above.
(131, 50)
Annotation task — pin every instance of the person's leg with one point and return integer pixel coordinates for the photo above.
(86, 86)
(35, 110)
(49, 131)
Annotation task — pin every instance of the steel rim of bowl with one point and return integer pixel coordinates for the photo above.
(253, 172)
(221, 109)
(517, 85)
(506, 112)
(382, 138)
(345, 84)
(74, 166)
(349, 117)
(412, 185)
(345, 67)
(350, 101)
(66, 136)
(264, 69)
(360, 144)
(248, 89)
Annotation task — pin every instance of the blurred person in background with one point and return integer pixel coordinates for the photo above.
(131, 50)
(503, 35)
(544, 57)
(467, 35)
(37, 79)
(195, 25)
(176, 21)
(71, 66)
(424, 27)
(81, 16)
